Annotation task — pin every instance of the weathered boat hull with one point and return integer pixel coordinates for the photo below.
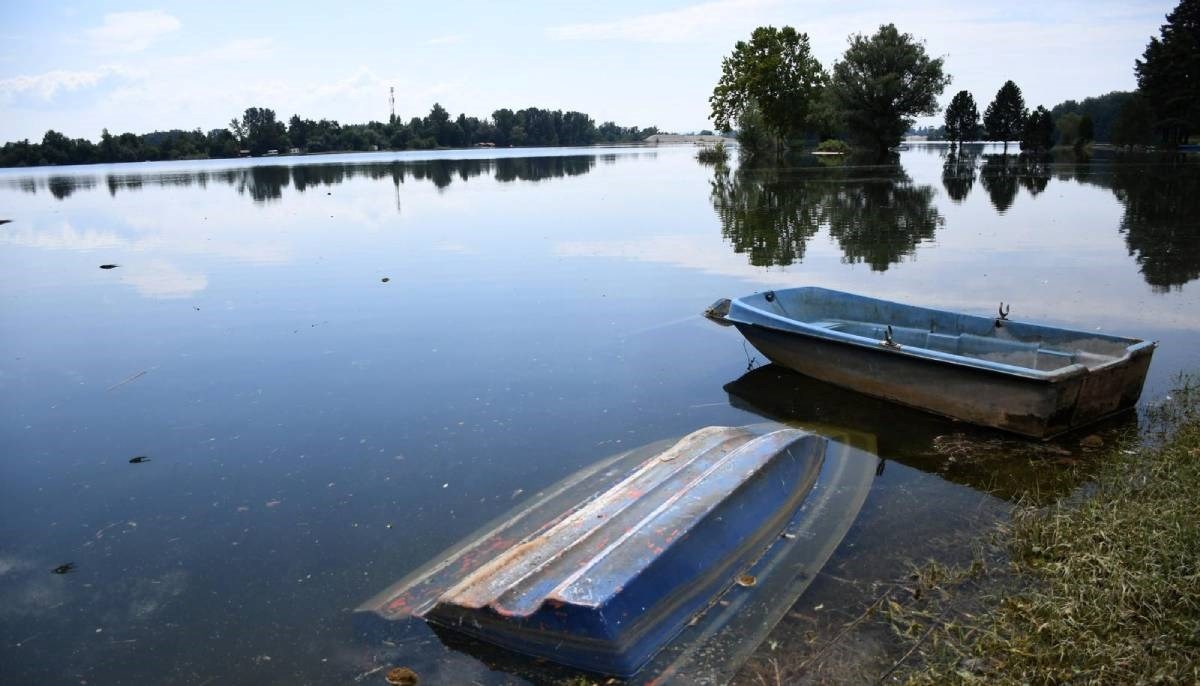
(604, 570)
(1034, 402)
(1038, 409)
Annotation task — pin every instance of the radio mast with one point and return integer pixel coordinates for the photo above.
(392, 100)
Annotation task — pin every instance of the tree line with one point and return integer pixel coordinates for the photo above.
(1165, 109)
(259, 132)
(778, 95)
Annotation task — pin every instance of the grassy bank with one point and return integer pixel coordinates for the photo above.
(1102, 589)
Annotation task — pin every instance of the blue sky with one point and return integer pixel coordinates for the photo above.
(79, 67)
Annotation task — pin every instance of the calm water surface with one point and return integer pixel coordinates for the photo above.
(314, 432)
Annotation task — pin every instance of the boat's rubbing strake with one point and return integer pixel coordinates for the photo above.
(606, 568)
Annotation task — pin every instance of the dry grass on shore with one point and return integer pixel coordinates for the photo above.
(1104, 589)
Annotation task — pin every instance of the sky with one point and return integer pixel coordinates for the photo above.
(80, 67)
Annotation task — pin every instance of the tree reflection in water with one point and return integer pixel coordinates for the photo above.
(264, 183)
(958, 172)
(999, 178)
(875, 213)
(1162, 221)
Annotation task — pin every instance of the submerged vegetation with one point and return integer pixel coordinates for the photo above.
(716, 154)
(259, 132)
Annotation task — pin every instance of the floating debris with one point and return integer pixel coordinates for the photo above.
(747, 580)
(109, 266)
(974, 449)
(135, 377)
(385, 279)
(64, 569)
(139, 459)
(5, 221)
(401, 676)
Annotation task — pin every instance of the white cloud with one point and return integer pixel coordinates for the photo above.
(452, 39)
(238, 50)
(127, 32)
(160, 279)
(48, 84)
(673, 26)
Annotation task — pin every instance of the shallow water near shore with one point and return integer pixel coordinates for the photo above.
(315, 432)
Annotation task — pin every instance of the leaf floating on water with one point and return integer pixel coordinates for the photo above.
(747, 580)
(109, 266)
(139, 459)
(385, 279)
(64, 569)
(402, 676)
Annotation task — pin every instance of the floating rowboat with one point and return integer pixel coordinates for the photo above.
(1034, 380)
(672, 559)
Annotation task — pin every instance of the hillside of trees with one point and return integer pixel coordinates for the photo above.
(1103, 111)
(258, 132)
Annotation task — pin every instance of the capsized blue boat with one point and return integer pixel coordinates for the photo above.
(1038, 381)
(672, 559)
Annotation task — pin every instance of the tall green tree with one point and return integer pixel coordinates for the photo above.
(1087, 129)
(1134, 123)
(1004, 119)
(259, 131)
(774, 73)
(1038, 133)
(882, 82)
(1068, 128)
(962, 118)
(1169, 74)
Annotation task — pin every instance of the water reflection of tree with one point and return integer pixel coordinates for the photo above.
(266, 182)
(1161, 199)
(767, 214)
(999, 179)
(958, 173)
(1162, 221)
(876, 214)
(1033, 174)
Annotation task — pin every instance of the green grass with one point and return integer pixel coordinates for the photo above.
(1100, 589)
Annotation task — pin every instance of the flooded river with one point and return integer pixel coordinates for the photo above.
(339, 365)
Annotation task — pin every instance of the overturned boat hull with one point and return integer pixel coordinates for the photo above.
(647, 562)
(1037, 381)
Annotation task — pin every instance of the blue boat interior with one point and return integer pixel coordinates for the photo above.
(991, 339)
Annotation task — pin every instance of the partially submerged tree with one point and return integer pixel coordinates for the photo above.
(1004, 119)
(1038, 133)
(774, 74)
(962, 118)
(882, 82)
(1169, 74)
